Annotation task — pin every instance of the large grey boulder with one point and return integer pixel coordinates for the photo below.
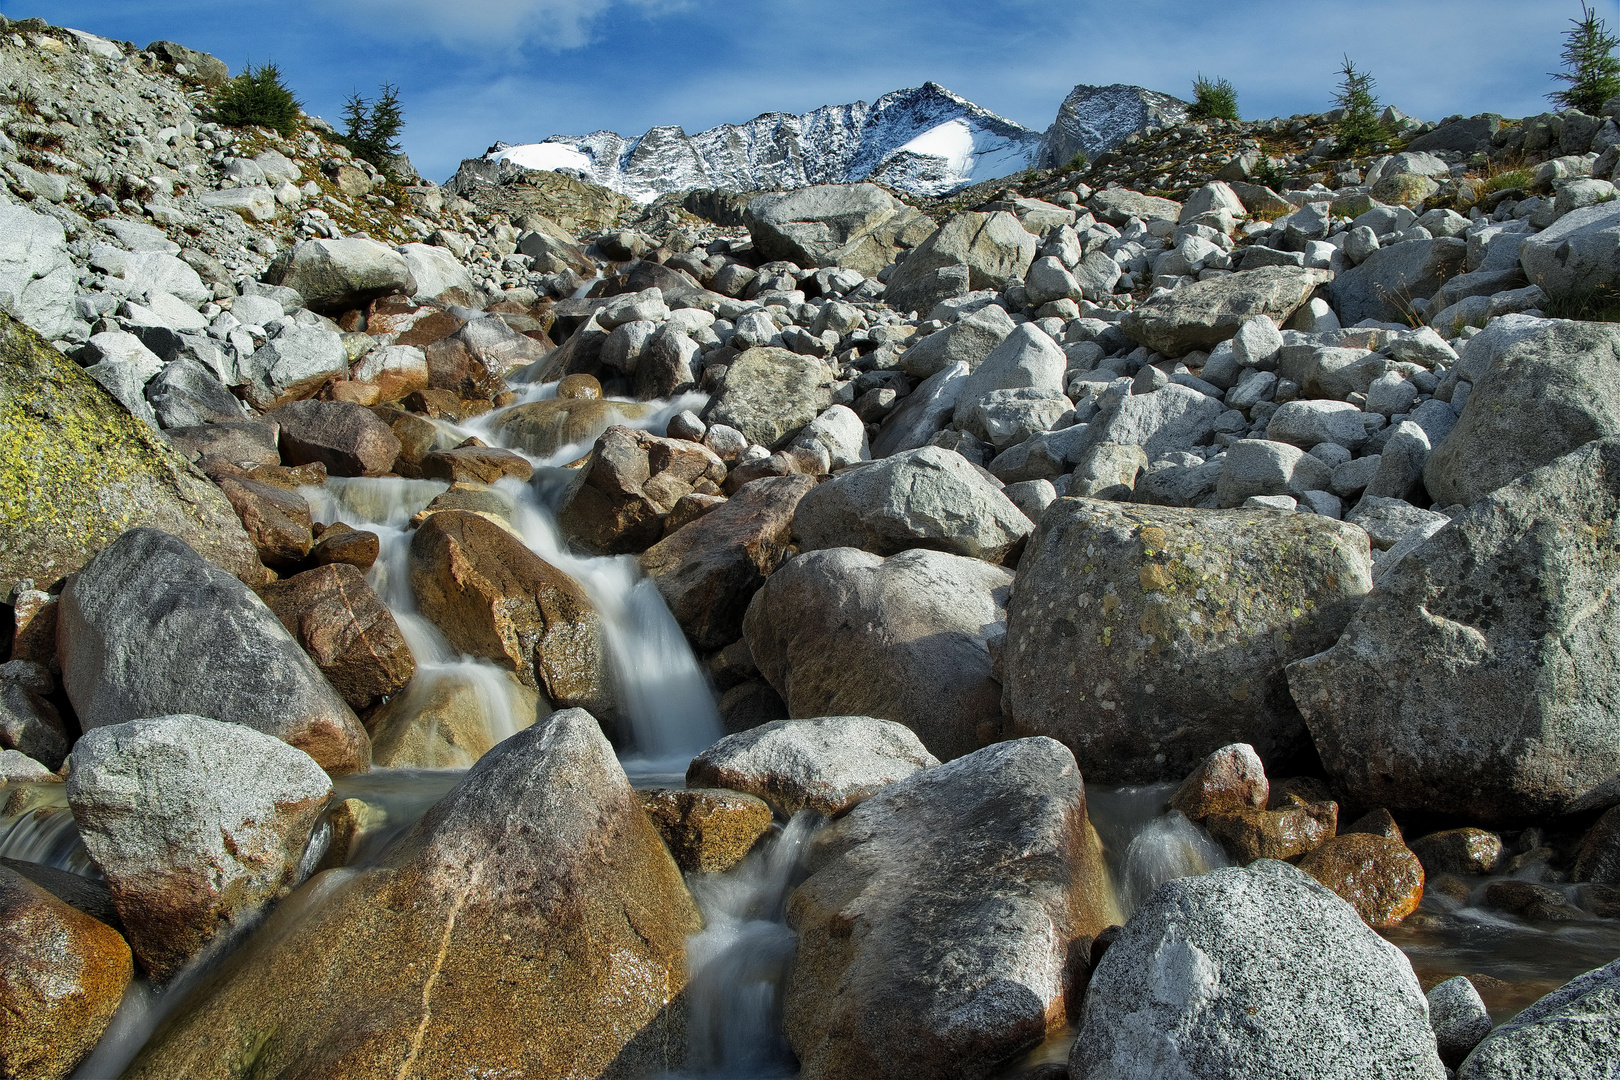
(334, 276)
(1202, 315)
(197, 825)
(37, 278)
(185, 394)
(769, 394)
(1172, 417)
(148, 628)
(1578, 253)
(536, 890)
(1262, 467)
(438, 275)
(1539, 396)
(968, 340)
(1459, 1019)
(1387, 281)
(1252, 971)
(923, 412)
(826, 764)
(1477, 679)
(846, 633)
(994, 247)
(924, 498)
(1118, 205)
(859, 226)
(292, 365)
(1145, 638)
(1571, 1034)
(1026, 357)
(936, 927)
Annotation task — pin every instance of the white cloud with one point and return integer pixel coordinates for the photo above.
(498, 25)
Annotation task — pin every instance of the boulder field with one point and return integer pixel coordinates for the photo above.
(1266, 483)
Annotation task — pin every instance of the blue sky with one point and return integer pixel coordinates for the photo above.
(474, 71)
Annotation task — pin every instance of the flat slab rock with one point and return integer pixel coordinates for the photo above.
(936, 928)
(826, 764)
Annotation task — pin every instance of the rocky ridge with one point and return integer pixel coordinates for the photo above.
(1231, 425)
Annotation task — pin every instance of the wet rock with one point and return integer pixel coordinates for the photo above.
(937, 928)
(148, 628)
(845, 632)
(1145, 638)
(929, 497)
(1202, 315)
(1293, 830)
(1528, 900)
(1380, 878)
(1231, 779)
(83, 470)
(340, 544)
(476, 464)
(1459, 851)
(827, 764)
(707, 830)
(543, 428)
(709, 569)
(993, 247)
(616, 503)
(334, 276)
(347, 438)
(769, 394)
(534, 910)
(1252, 971)
(1458, 1018)
(197, 824)
(1469, 682)
(1539, 398)
(1599, 856)
(346, 630)
(495, 598)
(450, 719)
(277, 521)
(1573, 1032)
(1378, 823)
(64, 976)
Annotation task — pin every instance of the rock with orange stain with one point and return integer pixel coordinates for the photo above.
(1379, 877)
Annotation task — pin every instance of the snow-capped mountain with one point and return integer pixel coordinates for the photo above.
(925, 140)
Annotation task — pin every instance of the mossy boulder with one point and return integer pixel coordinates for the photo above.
(1146, 637)
(77, 470)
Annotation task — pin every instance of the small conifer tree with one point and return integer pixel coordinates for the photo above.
(258, 98)
(1213, 99)
(1593, 71)
(1359, 126)
(373, 127)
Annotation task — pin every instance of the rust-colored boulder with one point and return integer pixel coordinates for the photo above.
(582, 387)
(450, 719)
(616, 503)
(347, 438)
(710, 569)
(1287, 833)
(1380, 878)
(62, 975)
(707, 830)
(349, 633)
(277, 521)
(495, 598)
(1379, 823)
(338, 543)
(1459, 851)
(1230, 780)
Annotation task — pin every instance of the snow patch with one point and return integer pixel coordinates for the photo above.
(545, 157)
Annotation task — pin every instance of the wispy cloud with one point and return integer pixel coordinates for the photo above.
(502, 26)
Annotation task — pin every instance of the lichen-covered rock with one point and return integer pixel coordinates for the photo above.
(1476, 680)
(62, 976)
(707, 830)
(770, 394)
(76, 470)
(531, 924)
(1146, 638)
(148, 628)
(843, 632)
(1231, 778)
(197, 825)
(1247, 972)
(1287, 831)
(936, 929)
